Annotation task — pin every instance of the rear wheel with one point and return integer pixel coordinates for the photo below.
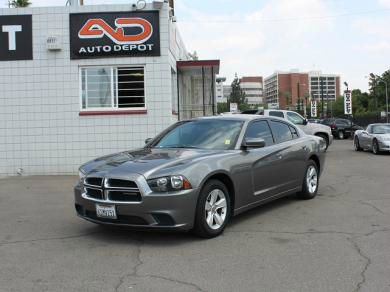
(213, 210)
(375, 147)
(356, 144)
(325, 137)
(310, 182)
(341, 135)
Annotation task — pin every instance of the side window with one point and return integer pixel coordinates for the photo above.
(294, 133)
(276, 114)
(295, 118)
(260, 129)
(281, 131)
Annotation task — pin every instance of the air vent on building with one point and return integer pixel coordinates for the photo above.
(54, 43)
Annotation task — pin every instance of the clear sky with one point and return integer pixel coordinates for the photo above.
(257, 37)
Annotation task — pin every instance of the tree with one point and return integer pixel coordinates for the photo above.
(19, 3)
(237, 95)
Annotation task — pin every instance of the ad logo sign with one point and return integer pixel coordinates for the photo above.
(313, 107)
(114, 34)
(347, 102)
(16, 37)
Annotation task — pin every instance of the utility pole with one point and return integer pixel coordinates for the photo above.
(322, 96)
(298, 99)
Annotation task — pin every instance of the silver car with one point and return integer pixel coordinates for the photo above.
(375, 138)
(199, 173)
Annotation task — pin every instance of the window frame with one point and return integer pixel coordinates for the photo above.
(114, 108)
(269, 127)
(274, 134)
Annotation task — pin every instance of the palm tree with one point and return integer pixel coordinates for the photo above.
(19, 3)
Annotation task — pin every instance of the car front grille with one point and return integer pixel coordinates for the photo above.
(112, 190)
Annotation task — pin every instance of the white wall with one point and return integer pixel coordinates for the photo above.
(40, 127)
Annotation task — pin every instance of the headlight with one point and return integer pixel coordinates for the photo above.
(169, 183)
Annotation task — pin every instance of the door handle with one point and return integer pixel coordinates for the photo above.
(279, 156)
(304, 148)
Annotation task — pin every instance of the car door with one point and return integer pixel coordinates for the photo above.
(292, 150)
(262, 162)
(365, 138)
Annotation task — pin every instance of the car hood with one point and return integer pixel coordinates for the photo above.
(383, 136)
(319, 127)
(143, 161)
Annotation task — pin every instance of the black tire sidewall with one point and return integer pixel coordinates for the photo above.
(201, 227)
(323, 136)
(375, 146)
(356, 144)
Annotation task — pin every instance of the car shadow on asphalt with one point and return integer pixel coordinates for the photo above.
(123, 235)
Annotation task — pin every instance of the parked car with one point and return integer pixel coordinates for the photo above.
(199, 173)
(341, 128)
(295, 118)
(375, 138)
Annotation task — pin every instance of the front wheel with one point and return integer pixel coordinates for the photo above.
(356, 144)
(310, 182)
(375, 147)
(213, 210)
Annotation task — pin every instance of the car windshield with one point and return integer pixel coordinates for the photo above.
(203, 134)
(382, 129)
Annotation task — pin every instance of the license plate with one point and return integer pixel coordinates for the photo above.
(106, 211)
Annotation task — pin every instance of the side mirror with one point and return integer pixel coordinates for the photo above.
(253, 143)
(148, 140)
(305, 121)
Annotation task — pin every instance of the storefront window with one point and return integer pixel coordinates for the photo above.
(112, 87)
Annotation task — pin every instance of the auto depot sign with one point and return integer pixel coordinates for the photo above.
(113, 34)
(16, 37)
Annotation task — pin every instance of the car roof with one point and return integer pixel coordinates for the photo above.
(380, 124)
(242, 117)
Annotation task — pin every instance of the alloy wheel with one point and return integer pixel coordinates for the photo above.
(311, 179)
(216, 209)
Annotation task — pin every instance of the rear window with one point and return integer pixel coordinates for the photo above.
(276, 114)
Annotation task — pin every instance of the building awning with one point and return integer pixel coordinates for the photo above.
(194, 64)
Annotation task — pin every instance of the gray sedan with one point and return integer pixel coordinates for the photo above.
(375, 138)
(199, 173)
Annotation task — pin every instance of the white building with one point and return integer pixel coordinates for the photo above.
(80, 82)
(325, 86)
(253, 88)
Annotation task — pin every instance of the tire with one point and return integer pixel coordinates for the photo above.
(340, 135)
(356, 144)
(375, 147)
(325, 137)
(310, 182)
(208, 214)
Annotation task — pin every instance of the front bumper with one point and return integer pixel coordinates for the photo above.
(384, 145)
(166, 211)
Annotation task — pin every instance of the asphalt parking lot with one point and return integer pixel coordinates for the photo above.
(336, 242)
